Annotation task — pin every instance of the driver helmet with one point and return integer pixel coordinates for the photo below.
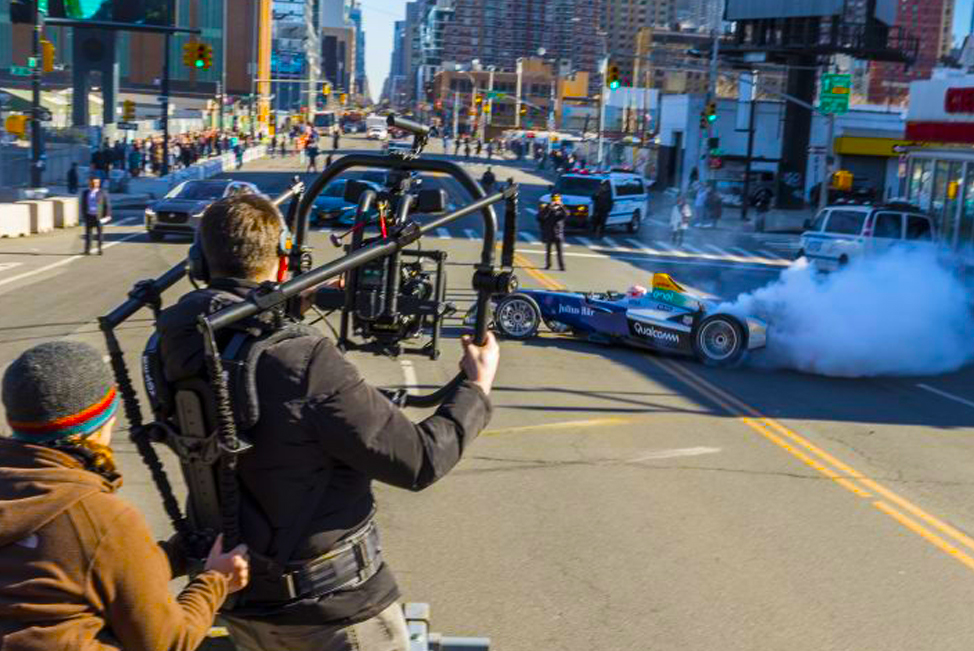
(556, 198)
(637, 291)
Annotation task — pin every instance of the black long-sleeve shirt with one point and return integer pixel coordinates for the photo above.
(321, 422)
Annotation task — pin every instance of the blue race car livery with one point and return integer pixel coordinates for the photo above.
(667, 318)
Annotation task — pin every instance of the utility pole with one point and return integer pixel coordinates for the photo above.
(490, 105)
(711, 97)
(222, 84)
(165, 103)
(823, 191)
(751, 110)
(456, 113)
(517, 108)
(602, 91)
(36, 130)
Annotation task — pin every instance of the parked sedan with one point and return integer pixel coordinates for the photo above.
(180, 211)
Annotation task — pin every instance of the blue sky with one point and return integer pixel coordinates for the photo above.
(962, 19)
(378, 18)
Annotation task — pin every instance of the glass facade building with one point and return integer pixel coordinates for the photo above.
(941, 182)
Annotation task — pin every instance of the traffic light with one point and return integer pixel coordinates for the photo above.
(439, 105)
(16, 125)
(613, 78)
(842, 180)
(326, 89)
(711, 112)
(478, 99)
(128, 110)
(189, 54)
(524, 109)
(47, 56)
(343, 98)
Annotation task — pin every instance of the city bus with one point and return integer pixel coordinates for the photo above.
(325, 122)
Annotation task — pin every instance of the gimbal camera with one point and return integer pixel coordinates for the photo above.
(378, 294)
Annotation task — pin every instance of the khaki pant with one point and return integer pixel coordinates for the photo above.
(385, 632)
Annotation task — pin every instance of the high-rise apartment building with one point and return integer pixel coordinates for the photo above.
(393, 90)
(623, 20)
(295, 53)
(361, 79)
(706, 15)
(929, 20)
(498, 32)
(337, 37)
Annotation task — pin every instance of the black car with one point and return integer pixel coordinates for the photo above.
(180, 211)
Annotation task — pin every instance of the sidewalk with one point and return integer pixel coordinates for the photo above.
(772, 221)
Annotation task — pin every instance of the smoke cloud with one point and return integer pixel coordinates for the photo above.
(903, 313)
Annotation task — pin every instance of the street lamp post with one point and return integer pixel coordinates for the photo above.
(520, 76)
(490, 104)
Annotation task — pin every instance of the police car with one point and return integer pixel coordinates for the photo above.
(845, 232)
(630, 199)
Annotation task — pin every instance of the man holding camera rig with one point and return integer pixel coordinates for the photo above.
(323, 436)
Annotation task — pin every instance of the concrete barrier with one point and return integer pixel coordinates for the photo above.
(41, 215)
(14, 220)
(66, 211)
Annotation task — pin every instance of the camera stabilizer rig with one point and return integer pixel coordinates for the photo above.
(201, 428)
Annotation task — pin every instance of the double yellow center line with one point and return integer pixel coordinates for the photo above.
(942, 535)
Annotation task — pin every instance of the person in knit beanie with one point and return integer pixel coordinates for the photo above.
(79, 568)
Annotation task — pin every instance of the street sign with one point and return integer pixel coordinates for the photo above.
(20, 71)
(836, 89)
(127, 126)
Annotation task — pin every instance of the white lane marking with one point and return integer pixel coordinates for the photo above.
(949, 396)
(673, 454)
(528, 237)
(443, 233)
(61, 263)
(470, 233)
(9, 265)
(585, 242)
(769, 254)
(409, 373)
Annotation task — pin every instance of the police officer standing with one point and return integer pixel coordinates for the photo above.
(603, 206)
(553, 229)
(318, 576)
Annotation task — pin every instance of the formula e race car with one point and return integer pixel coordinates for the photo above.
(667, 318)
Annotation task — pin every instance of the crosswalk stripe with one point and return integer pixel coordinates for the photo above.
(611, 242)
(770, 254)
(529, 238)
(9, 265)
(693, 249)
(445, 234)
(585, 242)
(746, 254)
(470, 233)
(725, 253)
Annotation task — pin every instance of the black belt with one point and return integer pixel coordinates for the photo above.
(352, 563)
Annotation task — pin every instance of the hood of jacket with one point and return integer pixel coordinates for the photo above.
(37, 484)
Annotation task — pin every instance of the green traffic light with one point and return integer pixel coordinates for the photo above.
(614, 84)
(199, 63)
(711, 118)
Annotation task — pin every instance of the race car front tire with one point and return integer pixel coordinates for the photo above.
(517, 316)
(720, 340)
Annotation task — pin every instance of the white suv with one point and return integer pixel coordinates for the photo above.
(842, 233)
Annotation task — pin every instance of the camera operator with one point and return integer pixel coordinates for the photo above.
(323, 436)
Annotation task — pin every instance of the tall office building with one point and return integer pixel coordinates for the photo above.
(929, 20)
(294, 54)
(706, 15)
(361, 79)
(498, 32)
(336, 33)
(623, 20)
(393, 88)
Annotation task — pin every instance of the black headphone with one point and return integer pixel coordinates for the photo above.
(199, 270)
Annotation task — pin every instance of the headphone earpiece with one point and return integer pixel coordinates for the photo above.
(196, 266)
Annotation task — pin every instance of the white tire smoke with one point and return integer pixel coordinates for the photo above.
(903, 313)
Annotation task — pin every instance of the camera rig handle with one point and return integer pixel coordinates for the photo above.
(487, 281)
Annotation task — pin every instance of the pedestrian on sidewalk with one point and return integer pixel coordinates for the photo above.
(679, 219)
(490, 150)
(273, 144)
(713, 204)
(336, 138)
(311, 149)
(73, 179)
(446, 143)
(479, 147)
(466, 149)
(97, 210)
(79, 567)
(456, 146)
(603, 207)
(552, 222)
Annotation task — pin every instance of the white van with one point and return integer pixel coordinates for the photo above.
(630, 199)
(843, 233)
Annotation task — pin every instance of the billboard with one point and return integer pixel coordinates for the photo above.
(767, 9)
(147, 12)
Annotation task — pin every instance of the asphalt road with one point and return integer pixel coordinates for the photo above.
(623, 500)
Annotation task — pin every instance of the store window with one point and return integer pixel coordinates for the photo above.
(966, 232)
(921, 182)
(939, 199)
(947, 227)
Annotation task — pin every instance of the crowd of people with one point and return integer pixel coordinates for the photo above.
(144, 156)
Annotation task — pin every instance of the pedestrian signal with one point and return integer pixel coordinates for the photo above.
(16, 125)
(128, 110)
(326, 89)
(47, 56)
(189, 54)
(842, 180)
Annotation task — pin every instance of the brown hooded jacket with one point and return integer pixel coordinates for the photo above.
(79, 568)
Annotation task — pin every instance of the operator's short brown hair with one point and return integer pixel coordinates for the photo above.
(240, 235)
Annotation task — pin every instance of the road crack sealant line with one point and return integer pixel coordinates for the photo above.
(932, 529)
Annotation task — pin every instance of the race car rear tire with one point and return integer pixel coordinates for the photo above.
(517, 316)
(720, 340)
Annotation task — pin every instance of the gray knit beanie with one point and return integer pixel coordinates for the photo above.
(58, 389)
